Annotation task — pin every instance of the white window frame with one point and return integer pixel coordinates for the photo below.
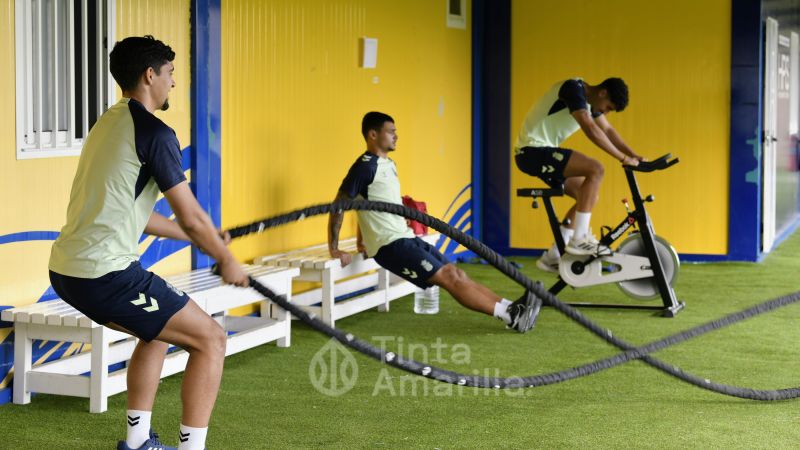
(30, 110)
(457, 20)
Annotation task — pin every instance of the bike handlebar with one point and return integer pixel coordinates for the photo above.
(660, 163)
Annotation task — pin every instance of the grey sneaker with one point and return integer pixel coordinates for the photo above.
(524, 311)
(548, 262)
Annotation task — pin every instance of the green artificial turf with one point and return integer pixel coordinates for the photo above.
(267, 399)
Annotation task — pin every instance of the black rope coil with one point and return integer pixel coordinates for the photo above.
(630, 352)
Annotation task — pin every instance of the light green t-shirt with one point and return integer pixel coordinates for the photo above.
(374, 178)
(129, 155)
(549, 121)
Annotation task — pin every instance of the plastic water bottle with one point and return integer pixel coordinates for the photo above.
(427, 301)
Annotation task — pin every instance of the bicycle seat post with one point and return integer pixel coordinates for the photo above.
(552, 218)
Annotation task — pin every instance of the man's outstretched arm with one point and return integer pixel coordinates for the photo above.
(161, 226)
(196, 224)
(595, 134)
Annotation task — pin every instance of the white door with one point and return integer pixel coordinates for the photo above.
(770, 135)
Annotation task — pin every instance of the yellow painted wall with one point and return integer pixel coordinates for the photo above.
(168, 21)
(293, 96)
(34, 193)
(675, 57)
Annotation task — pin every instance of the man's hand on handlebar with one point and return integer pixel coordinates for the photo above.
(631, 161)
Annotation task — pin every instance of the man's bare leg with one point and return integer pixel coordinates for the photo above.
(520, 316)
(592, 172)
(466, 291)
(204, 339)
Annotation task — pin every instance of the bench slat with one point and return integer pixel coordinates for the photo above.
(59, 319)
(41, 316)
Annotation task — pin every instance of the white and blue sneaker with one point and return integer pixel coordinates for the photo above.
(587, 246)
(151, 444)
(548, 262)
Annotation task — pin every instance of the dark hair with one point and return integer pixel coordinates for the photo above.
(133, 55)
(374, 120)
(617, 92)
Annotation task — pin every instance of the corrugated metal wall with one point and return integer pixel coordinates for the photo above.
(35, 192)
(167, 21)
(293, 97)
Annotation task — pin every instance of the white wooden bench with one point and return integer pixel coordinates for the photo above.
(57, 321)
(316, 265)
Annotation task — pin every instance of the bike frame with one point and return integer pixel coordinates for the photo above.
(637, 218)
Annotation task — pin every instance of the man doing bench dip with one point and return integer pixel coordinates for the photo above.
(567, 106)
(128, 157)
(387, 238)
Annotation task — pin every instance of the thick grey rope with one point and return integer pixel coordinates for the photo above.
(630, 352)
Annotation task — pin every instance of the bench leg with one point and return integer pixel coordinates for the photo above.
(383, 285)
(285, 318)
(328, 297)
(265, 309)
(23, 359)
(98, 394)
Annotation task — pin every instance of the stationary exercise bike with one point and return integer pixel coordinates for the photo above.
(644, 266)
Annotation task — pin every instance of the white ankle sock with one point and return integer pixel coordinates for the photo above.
(582, 224)
(506, 302)
(501, 311)
(192, 438)
(138, 427)
(566, 234)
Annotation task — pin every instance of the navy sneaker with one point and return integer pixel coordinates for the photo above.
(151, 444)
(524, 312)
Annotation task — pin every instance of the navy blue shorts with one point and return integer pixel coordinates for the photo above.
(412, 259)
(547, 163)
(134, 298)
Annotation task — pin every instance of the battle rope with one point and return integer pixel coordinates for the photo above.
(630, 352)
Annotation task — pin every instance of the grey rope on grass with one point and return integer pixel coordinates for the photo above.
(630, 352)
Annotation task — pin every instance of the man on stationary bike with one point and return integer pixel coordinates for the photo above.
(567, 106)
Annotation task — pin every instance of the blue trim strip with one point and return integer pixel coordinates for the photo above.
(744, 200)
(453, 244)
(29, 236)
(477, 118)
(492, 56)
(206, 113)
(453, 222)
(461, 222)
(160, 249)
(702, 258)
(455, 200)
